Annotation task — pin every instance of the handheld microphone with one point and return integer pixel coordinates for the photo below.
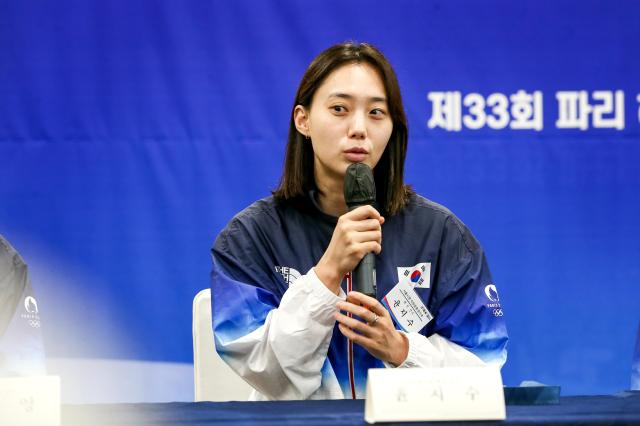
(360, 190)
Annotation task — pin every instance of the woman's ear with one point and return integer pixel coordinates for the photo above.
(301, 120)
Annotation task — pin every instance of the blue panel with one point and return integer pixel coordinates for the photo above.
(131, 132)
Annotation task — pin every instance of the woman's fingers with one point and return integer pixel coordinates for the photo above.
(372, 329)
(357, 298)
(357, 233)
(359, 311)
(360, 339)
(353, 324)
(363, 237)
(364, 212)
(365, 225)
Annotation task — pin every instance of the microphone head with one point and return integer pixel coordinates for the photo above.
(359, 186)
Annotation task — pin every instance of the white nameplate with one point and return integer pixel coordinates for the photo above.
(434, 394)
(30, 401)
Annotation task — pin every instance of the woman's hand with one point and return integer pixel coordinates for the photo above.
(377, 334)
(357, 233)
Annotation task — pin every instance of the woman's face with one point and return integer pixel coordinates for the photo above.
(348, 121)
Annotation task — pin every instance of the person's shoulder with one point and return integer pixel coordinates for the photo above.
(441, 216)
(419, 205)
(248, 223)
(260, 210)
(263, 212)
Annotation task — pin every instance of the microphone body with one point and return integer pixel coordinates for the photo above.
(360, 190)
(364, 276)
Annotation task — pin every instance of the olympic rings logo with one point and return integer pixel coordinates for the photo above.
(497, 313)
(34, 323)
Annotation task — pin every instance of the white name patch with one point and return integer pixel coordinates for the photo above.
(407, 308)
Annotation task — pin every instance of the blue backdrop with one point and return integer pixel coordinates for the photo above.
(132, 131)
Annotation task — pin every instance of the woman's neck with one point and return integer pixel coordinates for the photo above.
(331, 197)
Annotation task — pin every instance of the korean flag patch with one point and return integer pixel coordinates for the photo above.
(416, 276)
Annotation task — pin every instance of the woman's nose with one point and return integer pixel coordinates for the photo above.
(358, 128)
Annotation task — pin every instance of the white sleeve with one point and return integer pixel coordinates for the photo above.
(283, 358)
(436, 351)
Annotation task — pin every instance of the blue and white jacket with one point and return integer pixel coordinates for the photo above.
(273, 318)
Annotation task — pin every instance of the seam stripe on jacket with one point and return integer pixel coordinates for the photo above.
(350, 352)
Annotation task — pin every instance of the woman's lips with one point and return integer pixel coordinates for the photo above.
(356, 155)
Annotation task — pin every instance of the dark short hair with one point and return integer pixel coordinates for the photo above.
(298, 174)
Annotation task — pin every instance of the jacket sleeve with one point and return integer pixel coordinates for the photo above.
(468, 326)
(21, 345)
(279, 346)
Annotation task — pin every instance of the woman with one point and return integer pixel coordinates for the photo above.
(281, 267)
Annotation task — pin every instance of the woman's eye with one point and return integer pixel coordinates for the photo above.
(338, 108)
(377, 112)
